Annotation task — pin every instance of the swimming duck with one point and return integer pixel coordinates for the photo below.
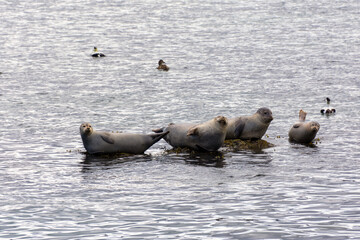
(96, 53)
(162, 66)
(327, 110)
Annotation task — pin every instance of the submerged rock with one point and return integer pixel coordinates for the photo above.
(237, 145)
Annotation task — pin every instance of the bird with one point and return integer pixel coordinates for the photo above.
(162, 66)
(96, 53)
(327, 110)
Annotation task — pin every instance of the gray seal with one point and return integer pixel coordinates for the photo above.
(105, 142)
(250, 127)
(208, 136)
(303, 132)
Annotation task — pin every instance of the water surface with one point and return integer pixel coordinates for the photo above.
(226, 58)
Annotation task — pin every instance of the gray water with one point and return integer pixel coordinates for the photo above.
(226, 58)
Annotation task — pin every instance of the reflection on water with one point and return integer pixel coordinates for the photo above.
(93, 162)
(207, 159)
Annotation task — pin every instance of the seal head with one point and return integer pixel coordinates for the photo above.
(265, 114)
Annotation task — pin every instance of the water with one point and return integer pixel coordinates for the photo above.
(226, 58)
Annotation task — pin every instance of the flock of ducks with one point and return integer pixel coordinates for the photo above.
(96, 54)
(161, 64)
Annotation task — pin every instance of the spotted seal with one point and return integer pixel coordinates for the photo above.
(105, 142)
(303, 132)
(249, 127)
(207, 136)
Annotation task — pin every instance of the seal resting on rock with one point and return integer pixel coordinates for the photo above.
(162, 66)
(105, 142)
(302, 132)
(249, 127)
(208, 136)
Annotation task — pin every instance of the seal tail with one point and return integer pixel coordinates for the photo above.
(202, 149)
(158, 130)
(302, 115)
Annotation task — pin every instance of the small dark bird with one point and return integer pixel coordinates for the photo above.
(162, 66)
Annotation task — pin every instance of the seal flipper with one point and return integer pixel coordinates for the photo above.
(158, 130)
(193, 131)
(239, 127)
(202, 149)
(157, 136)
(107, 138)
(302, 115)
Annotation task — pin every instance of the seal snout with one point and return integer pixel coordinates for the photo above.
(315, 127)
(222, 120)
(86, 128)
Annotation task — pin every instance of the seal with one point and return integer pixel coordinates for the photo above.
(96, 53)
(208, 136)
(162, 66)
(105, 142)
(250, 127)
(302, 132)
(327, 110)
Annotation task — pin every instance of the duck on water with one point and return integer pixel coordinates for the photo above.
(96, 53)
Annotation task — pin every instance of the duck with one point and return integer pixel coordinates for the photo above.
(327, 110)
(96, 53)
(162, 66)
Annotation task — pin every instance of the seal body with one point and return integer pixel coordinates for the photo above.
(303, 132)
(207, 136)
(249, 127)
(105, 142)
